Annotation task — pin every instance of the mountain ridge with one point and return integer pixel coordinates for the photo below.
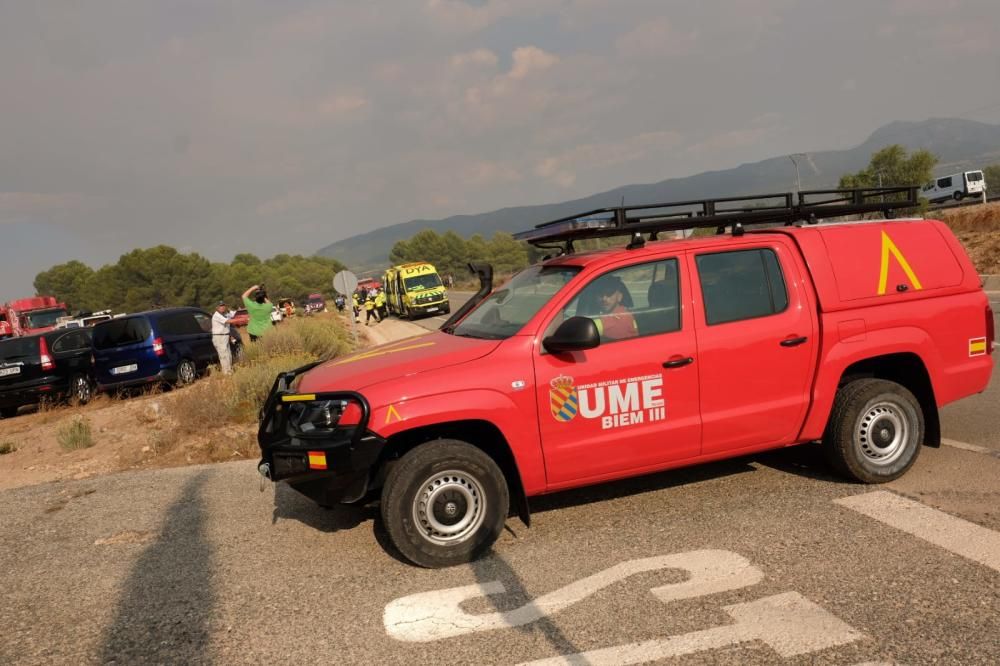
(958, 143)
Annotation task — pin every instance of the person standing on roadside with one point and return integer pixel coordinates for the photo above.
(220, 337)
(380, 304)
(259, 309)
(370, 310)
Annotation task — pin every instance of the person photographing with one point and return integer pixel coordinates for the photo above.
(259, 310)
(220, 337)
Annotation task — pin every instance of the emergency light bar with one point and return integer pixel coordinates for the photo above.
(734, 212)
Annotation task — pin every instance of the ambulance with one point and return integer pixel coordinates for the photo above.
(415, 289)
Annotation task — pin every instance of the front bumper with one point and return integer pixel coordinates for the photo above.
(329, 467)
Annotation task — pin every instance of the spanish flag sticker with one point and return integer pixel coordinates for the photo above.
(317, 460)
(977, 346)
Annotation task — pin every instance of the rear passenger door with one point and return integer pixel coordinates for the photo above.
(756, 331)
(71, 352)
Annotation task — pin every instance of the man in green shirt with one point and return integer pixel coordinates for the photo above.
(259, 308)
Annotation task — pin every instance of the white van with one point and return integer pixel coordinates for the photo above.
(956, 186)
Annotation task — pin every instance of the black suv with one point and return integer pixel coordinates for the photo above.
(56, 365)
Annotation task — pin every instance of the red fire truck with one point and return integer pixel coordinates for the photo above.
(26, 316)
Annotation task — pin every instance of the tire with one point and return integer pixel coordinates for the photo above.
(469, 501)
(8, 412)
(80, 390)
(447, 309)
(958, 195)
(875, 431)
(187, 372)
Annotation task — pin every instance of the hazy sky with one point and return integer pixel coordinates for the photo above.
(281, 126)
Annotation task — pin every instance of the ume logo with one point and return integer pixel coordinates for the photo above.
(617, 402)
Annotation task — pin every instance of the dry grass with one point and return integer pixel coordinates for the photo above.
(978, 228)
(75, 435)
(971, 218)
(7, 447)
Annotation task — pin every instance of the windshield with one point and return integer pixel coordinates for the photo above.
(43, 318)
(508, 309)
(422, 282)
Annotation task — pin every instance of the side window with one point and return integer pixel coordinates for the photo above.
(203, 323)
(170, 325)
(71, 342)
(944, 182)
(630, 302)
(744, 284)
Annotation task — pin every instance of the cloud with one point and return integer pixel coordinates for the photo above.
(562, 169)
(338, 105)
(656, 39)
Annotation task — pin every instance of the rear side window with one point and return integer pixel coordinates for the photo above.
(182, 323)
(16, 349)
(71, 342)
(944, 182)
(741, 285)
(119, 332)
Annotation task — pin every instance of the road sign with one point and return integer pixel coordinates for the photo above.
(345, 282)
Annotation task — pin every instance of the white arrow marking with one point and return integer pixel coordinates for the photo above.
(788, 623)
(961, 537)
(431, 616)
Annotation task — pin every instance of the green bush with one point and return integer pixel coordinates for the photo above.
(75, 435)
(321, 338)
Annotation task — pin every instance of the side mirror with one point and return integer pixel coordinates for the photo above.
(574, 334)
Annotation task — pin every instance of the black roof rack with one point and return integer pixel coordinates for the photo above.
(732, 212)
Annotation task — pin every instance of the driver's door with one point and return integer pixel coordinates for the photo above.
(630, 404)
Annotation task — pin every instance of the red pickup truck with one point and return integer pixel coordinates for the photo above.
(601, 365)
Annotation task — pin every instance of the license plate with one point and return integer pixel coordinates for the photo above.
(432, 309)
(124, 369)
(7, 372)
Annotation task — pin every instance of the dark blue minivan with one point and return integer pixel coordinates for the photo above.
(171, 346)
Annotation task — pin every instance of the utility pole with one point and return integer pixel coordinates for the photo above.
(798, 181)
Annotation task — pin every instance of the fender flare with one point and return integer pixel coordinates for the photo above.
(842, 355)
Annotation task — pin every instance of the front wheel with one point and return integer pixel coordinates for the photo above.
(875, 431)
(186, 373)
(444, 503)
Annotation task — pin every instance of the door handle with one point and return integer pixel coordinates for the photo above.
(793, 342)
(678, 362)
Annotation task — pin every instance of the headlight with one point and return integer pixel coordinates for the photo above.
(313, 418)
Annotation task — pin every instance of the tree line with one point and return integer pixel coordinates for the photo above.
(162, 277)
(450, 253)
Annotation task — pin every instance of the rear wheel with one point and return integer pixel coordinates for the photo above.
(80, 390)
(444, 503)
(8, 412)
(875, 431)
(186, 372)
(958, 195)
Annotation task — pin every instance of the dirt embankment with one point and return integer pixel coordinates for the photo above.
(978, 228)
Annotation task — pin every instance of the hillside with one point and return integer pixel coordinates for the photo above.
(958, 143)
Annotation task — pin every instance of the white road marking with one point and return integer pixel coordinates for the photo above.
(958, 536)
(788, 623)
(965, 446)
(431, 616)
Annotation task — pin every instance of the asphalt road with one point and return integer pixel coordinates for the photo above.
(759, 560)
